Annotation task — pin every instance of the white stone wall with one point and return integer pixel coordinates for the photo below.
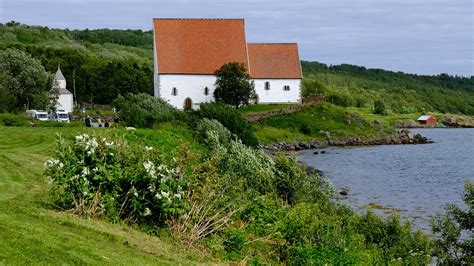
(192, 86)
(187, 86)
(276, 93)
(66, 102)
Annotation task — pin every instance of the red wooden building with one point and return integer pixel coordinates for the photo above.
(427, 120)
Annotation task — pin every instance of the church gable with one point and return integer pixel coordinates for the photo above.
(198, 46)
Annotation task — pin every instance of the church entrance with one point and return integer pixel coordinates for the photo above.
(188, 104)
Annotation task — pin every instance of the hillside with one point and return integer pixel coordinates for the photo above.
(356, 86)
(105, 63)
(108, 62)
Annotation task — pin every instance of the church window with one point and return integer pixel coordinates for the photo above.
(267, 85)
(174, 91)
(206, 91)
(286, 88)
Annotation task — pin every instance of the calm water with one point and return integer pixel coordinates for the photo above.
(415, 181)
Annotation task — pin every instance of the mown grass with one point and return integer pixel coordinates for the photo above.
(33, 231)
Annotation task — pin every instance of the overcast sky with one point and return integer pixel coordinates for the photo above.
(416, 36)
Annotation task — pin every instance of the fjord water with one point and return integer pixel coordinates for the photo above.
(414, 181)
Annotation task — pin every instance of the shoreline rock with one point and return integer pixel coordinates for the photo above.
(404, 136)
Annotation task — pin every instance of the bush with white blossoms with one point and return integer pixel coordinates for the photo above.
(96, 176)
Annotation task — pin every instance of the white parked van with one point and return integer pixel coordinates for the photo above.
(62, 116)
(38, 114)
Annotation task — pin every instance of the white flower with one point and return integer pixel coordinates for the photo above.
(158, 195)
(85, 171)
(108, 144)
(147, 212)
(151, 188)
(111, 154)
(148, 166)
(148, 148)
(53, 163)
(177, 195)
(85, 193)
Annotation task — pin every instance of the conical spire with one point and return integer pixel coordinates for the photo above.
(59, 74)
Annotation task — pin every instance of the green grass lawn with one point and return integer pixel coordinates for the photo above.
(32, 231)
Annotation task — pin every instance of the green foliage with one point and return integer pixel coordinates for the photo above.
(103, 63)
(233, 85)
(135, 38)
(305, 129)
(379, 107)
(97, 176)
(10, 120)
(24, 82)
(341, 99)
(234, 241)
(454, 238)
(231, 119)
(143, 110)
(211, 132)
(312, 87)
(400, 91)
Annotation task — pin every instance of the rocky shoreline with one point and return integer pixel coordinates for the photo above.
(403, 136)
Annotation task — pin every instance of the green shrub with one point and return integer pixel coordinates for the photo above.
(305, 129)
(231, 119)
(98, 176)
(451, 247)
(289, 177)
(312, 87)
(379, 107)
(340, 99)
(208, 129)
(234, 240)
(12, 120)
(143, 110)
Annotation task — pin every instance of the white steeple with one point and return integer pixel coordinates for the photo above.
(59, 77)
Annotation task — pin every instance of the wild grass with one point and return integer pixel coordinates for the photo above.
(32, 230)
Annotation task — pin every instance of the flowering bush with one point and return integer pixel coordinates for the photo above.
(100, 176)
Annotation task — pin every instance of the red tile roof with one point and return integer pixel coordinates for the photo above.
(274, 60)
(198, 46)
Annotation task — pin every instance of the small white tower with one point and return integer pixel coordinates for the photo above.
(66, 99)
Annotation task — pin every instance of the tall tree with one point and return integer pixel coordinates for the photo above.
(233, 85)
(26, 80)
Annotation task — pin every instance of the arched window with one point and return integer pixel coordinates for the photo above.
(267, 85)
(206, 91)
(286, 88)
(174, 91)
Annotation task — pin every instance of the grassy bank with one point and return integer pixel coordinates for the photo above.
(341, 122)
(31, 231)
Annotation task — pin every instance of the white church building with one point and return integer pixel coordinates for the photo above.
(66, 98)
(187, 52)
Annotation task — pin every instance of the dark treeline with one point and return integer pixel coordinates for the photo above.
(411, 81)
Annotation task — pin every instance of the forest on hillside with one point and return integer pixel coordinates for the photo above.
(105, 63)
